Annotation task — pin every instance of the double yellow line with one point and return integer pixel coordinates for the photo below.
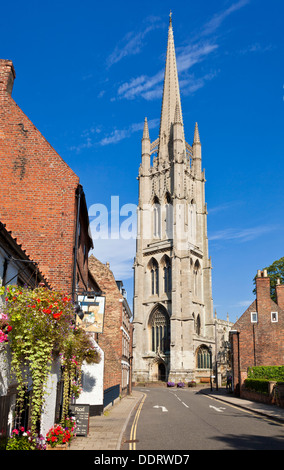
(132, 444)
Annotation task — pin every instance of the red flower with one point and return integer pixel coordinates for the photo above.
(57, 315)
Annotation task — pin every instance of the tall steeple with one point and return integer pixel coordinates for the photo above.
(171, 95)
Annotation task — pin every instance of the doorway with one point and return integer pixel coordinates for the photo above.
(162, 372)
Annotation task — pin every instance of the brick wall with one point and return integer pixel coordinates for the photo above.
(111, 338)
(38, 200)
(262, 342)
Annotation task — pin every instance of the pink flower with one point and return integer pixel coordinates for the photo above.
(15, 431)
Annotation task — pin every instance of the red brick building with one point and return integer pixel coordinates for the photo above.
(257, 338)
(116, 339)
(40, 196)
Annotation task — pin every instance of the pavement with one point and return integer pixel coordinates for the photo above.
(106, 431)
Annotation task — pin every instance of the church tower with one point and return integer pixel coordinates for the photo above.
(173, 307)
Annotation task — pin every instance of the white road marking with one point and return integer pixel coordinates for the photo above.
(217, 409)
(164, 409)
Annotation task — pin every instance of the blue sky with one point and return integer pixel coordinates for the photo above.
(88, 73)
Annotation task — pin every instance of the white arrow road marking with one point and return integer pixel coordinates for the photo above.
(163, 407)
(217, 409)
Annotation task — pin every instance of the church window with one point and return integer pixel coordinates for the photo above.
(167, 274)
(169, 217)
(160, 330)
(192, 221)
(198, 325)
(154, 270)
(156, 218)
(204, 358)
(196, 279)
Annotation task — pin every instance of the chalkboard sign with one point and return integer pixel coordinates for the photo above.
(81, 414)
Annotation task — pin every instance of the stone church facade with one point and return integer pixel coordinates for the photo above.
(173, 307)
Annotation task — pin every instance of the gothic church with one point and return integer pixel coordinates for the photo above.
(173, 307)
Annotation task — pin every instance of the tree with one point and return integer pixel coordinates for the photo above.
(274, 271)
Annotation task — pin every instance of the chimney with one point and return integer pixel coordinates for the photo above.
(7, 76)
(279, 290)
(262, 286)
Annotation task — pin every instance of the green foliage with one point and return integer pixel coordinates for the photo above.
(40, 320)
(273, 373)
(41, 328)
(257, 385)
(274, 271)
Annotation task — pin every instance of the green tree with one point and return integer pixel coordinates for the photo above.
(274, 271)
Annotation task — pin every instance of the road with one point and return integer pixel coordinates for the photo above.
(185, 419)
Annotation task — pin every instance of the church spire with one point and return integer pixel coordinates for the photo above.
(196, 139)
(171, 93)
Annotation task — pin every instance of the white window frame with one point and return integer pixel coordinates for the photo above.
(253, 317)
(276, 317)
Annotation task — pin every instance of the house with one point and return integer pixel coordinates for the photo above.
(41, 199)
(15, 268)
(257, 338)
(116, 338)
(43, 206)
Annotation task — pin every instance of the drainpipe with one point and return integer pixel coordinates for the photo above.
(80, 191)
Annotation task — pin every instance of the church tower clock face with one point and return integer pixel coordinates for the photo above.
(173, 307)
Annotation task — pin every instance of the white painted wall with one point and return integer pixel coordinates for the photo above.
(93, 381)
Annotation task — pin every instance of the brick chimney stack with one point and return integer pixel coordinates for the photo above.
(263, 290)
(7, 76)
(279, 289)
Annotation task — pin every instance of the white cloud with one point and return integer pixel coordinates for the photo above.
(119, 253)
(242, 235)
(132, 42)
(119, 134)
(212, 25)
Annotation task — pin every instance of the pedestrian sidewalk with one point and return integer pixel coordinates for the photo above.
(106, 430)
(270, 411)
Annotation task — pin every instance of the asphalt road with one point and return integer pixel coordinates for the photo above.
(184, 419)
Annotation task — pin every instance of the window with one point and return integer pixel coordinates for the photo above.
(274, 317)
(154, 270)
(253, 317)
(156, 219)
(169, 217)
(204, 358)
(166, 264)
(160, 330)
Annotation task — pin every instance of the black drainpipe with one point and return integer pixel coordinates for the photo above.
(80, 190)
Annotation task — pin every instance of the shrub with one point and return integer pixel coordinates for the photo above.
(257, 385)
(275, 373)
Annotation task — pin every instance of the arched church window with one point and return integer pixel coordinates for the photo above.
(154, 271)
(192, 221)
(198, 325)
(196, 278)
(156, 218)
(204, 360)
(169, 216)
(167, 271)
(160, 330)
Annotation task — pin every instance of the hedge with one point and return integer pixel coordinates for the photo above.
(257, 385)
(274, 373)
